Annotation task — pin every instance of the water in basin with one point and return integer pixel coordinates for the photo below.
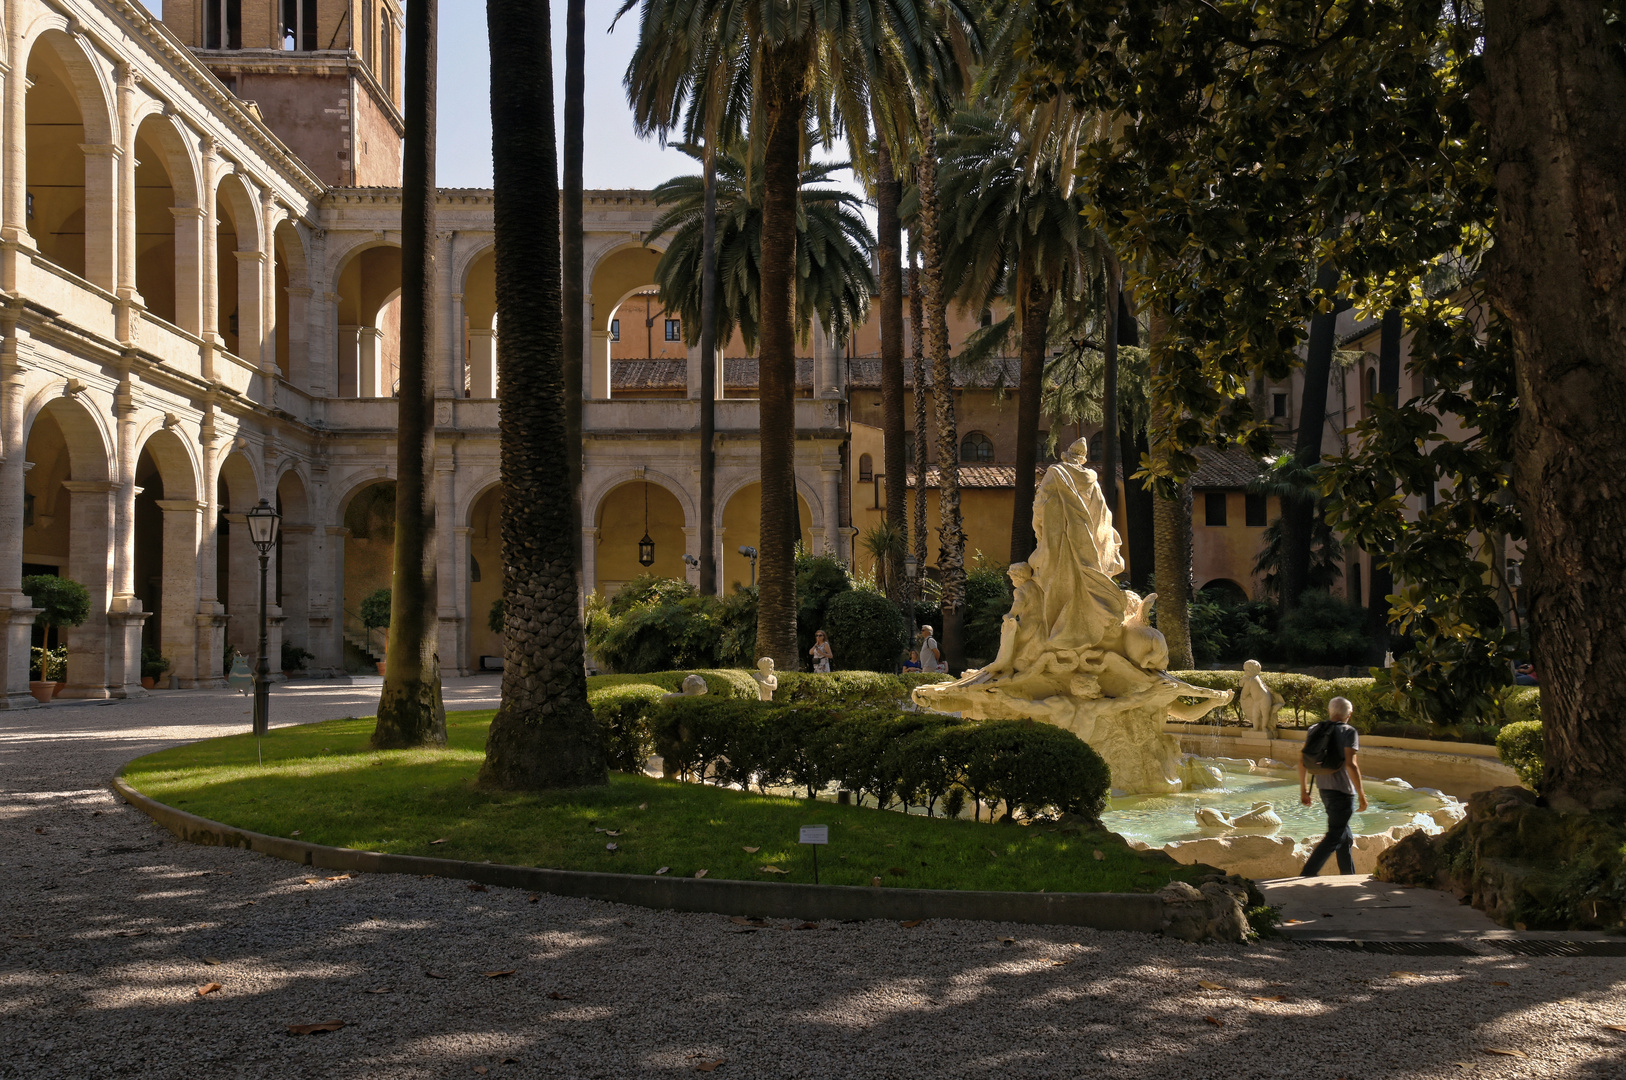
(1163, 819)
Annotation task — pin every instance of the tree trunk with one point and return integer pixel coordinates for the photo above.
(951, 554)
(917, 348)
(708, 376)
(1030, 385)
(410, 709)
(544, 734)
(1382, 583)
(784, 92)
(1298, 512)
(574, 287)
(1171, 518)
(889, 254)
(1556, 93)
(1109, 396)
(1139, 529)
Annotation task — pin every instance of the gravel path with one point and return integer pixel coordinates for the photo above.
(108, 926)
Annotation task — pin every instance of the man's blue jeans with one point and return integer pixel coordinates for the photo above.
(1340, 808)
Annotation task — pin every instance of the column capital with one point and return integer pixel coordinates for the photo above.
(89, 485)
(187, 213)
(111, 150)
(179, 506)
(249, 256)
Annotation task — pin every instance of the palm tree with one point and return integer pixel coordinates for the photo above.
(410, 709)
(544, 734)
(889, 259)
(834, 281)
(917, 349)
(1171, 522)
(1016, 231)
(574, 287)
(799, 61)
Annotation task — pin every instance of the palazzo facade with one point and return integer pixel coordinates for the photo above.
(199, 254)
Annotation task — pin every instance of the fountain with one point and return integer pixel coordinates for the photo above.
(1077, 651)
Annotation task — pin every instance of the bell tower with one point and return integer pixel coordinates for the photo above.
(325, 75)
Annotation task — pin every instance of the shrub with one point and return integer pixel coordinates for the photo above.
(720, 682)
(622, 713)
(819, 580)
(661, 624)
(375, 610)
(987, 600)
(293, 657)
(1301, 693)
(1372, 707)
(1517, 704)
(50, 665)
(155, 663)
(494, 617)
(1029, 765)
(865, 630)
(1322, 629)
(646, 590)
(62, 601)
(1216, 680)
(1223, 629)
(1520, 747)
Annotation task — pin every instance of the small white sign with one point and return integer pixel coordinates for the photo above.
(815, 834)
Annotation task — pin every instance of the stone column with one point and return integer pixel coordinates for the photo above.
(589, 558)
(482, 363)
(460, 659)
(130, 302)
(298, 334)
(125, 615)
(178, 637)
(459, 362)
(448, 328)
(208, 246)
(251, 319)
(691, 546)
(14, 202)
(90, 518)
(370, 363)
(16, 610)
(330, 649)
(297, 541)
(451, 602)
(598, 382)
(102, 167)
(189, 268)
(349, 355)
(211, 614)
(833, 538)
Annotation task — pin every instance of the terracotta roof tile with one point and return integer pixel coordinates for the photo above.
(1230, 469)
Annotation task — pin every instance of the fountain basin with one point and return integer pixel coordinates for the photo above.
(1170, 823)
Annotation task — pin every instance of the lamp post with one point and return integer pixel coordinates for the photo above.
(911, 569)
(263, 524)
(751, 553)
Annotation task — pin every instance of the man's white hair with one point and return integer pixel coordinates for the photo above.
(1340, 708)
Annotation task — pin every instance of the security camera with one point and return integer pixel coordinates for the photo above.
(749, 552)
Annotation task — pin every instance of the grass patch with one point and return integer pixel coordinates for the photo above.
(323, 781)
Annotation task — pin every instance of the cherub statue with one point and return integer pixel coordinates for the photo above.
(1259, 701)
(693, 686)
(767, 681)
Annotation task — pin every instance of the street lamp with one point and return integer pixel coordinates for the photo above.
(263, 524)
(911, 570)
(751, 553)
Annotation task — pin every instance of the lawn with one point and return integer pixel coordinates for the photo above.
(323, 783)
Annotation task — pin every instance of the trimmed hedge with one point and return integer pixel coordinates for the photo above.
(1520, 747)
(866, 629)
(851, 688)
(914, 759)
(623, 713)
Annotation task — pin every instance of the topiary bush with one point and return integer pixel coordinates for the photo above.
(1520, 747)
(62, 601)
(866, 631)
(622, 713)
(987, 600)
(375, 610)
(820, 579)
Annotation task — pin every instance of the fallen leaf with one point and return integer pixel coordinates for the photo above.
(1402, 974)
(315, 1029)
(643, 806)
(40, 831)
(296, 832)
(210, 960)
(1616, 1027)
(556, 996)
(662, 870)
(1216, 1021)
(991, 852)
(772, 870)
(700, 873)
(475, 886)
(1100, 856)
(1007, 941)
(442, 840)
(380, 990)
(208, 988)
(533, 898)
(434, 975)
(310, 881)
(601, 830)
(626, 922)
(1269, 997)
(911, 924)
(612, 832)
(1060, 963)
(1206, 985)
(875, 881)
(340, 877)
(498, 974)
(1506, 1053)
(481, 1069)
(751, 850)
(1501, 984)
(612, 847)
(707, 1066)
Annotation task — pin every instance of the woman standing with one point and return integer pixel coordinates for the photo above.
(821, 653)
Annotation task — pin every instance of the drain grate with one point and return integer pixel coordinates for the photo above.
(1557, 948)
(1395, 948)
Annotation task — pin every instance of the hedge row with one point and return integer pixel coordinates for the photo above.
(916, 759)
(1521, 748)
(851, 688)
(1307, 697)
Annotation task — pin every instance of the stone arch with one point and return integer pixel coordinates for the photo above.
(615, 274)
(481, 554)
(593, 500)
(238, 487)
(479, 329)
(291, 300)
(368, 281)
(1226, 589)
(167, 537)
(740, 525)
(626, 512)
(166, 222)
(88, 79)
(295, 556)
(358, 482)
(742, 481)
(70, 196)
(472, 492)
(239, 254)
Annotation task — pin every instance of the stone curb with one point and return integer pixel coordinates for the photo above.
(1145, 912)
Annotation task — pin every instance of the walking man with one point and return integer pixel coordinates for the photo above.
(1329, 756)
(929, 656)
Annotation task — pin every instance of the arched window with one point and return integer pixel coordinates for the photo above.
(976, 449)
(909, 449)
(1371, 383)
(866, 468)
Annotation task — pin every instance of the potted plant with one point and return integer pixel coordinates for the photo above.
(293, 657)
(50, 667)
(375, 615)
(153, 666)
(62, 602)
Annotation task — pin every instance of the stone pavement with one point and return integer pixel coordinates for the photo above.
(109, 928)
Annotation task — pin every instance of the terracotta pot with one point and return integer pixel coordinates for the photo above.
(381, 667)
(148, 682)
(42, 691)
(62, 684)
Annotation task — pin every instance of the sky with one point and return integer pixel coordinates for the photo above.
(614, 157)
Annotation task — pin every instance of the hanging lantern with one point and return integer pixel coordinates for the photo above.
(646, 546)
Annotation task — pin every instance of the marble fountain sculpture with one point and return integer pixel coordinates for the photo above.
(1078, 652)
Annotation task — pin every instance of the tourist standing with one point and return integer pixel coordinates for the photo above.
(1329, 756)
(821, 653)
(929, 656)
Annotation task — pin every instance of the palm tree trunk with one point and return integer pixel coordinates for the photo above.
(1171, 519)
(1109, 395)
(917, 348)
(1030, 386)
(951, 553)
(708, 376)
(574, 287)
(784, 106)
(544, 734)
(889, 253)
(410, 709)
(1298, 513)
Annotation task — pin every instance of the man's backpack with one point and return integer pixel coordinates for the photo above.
(1323, 751)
